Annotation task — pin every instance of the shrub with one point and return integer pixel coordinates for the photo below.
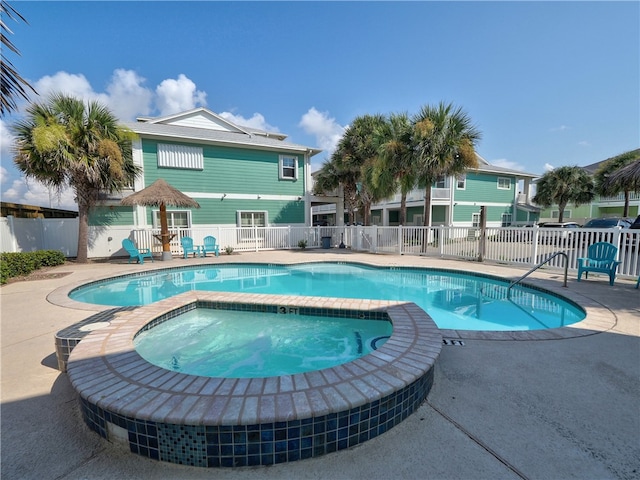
(228, 250)
(302, 244)
(15, 264)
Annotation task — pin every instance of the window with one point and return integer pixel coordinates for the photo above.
(288, 167)
(461, 182)
(475, 220)
(252, 219)
(180, 156)
(506, 220)
(504, 183)
(441, 182)
(556, 214)
(175, 219)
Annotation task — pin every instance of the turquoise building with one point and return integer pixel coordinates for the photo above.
(456, 201)
(240, 176)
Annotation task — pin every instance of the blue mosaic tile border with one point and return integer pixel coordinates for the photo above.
(263, 308)
(263, 444)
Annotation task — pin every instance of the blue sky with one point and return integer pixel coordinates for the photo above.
(547, 83)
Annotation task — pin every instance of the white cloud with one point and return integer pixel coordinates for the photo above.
(3, 175)
(6, 141)
(127, 97)
(32, 192)
(175, 96)
(561, 128)
(256, 121)
(548, 167)
(75, 85)
(584, 143)
(325, 128)
(504, 163)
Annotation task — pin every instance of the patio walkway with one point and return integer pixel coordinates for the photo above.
(538, 407)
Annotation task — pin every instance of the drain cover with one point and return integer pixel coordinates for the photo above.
(448, 341)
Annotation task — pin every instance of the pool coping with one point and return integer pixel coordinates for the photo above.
(598, 319)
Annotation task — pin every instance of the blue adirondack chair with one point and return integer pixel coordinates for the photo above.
(187, 247)
(601, 258)
(210, 245)
(136, 253)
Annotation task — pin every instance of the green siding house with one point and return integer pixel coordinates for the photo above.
(601, 206)
(456, 201)
(240, 176)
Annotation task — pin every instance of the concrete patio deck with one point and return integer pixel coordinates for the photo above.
(538, 406)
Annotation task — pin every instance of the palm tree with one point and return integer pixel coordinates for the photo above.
(444, 142)
(395, 168)
(622, 184)
(11, 83)
(67, 143)
(564, 185)
(333, 175)
(354, 156)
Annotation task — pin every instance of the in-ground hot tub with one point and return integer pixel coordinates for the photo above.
(210, 421)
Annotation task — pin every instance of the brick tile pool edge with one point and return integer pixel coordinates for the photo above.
(231, 422)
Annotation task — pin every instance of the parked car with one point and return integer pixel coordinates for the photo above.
(607, 223)
(603, 223)
(633, 237)
(566, 232)
(522, 233)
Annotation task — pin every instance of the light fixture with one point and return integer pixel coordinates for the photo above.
(223, 195)
(259, 197)
(299, 198)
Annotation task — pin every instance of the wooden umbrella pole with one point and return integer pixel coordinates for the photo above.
(164, 229)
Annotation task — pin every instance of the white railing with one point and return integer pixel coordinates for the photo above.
(525, 246)
(633, 196)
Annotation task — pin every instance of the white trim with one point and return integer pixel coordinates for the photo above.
(281, 167)
(240, 212)
(138, 160)
(484, 204)
(156, 221)
(243, 196)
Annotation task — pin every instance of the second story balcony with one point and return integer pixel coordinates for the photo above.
(633, 197)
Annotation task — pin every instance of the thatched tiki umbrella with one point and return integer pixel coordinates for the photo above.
(160, 194)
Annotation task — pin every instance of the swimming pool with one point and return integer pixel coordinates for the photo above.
(455, 300)
(246, 344)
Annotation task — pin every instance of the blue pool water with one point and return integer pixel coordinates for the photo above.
(239, 344)
(454, 300)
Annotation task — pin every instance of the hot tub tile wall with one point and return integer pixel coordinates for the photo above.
(264, 443)
(216, 422)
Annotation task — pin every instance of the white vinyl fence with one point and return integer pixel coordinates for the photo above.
(525, 246)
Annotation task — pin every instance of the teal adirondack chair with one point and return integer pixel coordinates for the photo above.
(601, 258)
(210, 245)
(187, 247)
(136, 253)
